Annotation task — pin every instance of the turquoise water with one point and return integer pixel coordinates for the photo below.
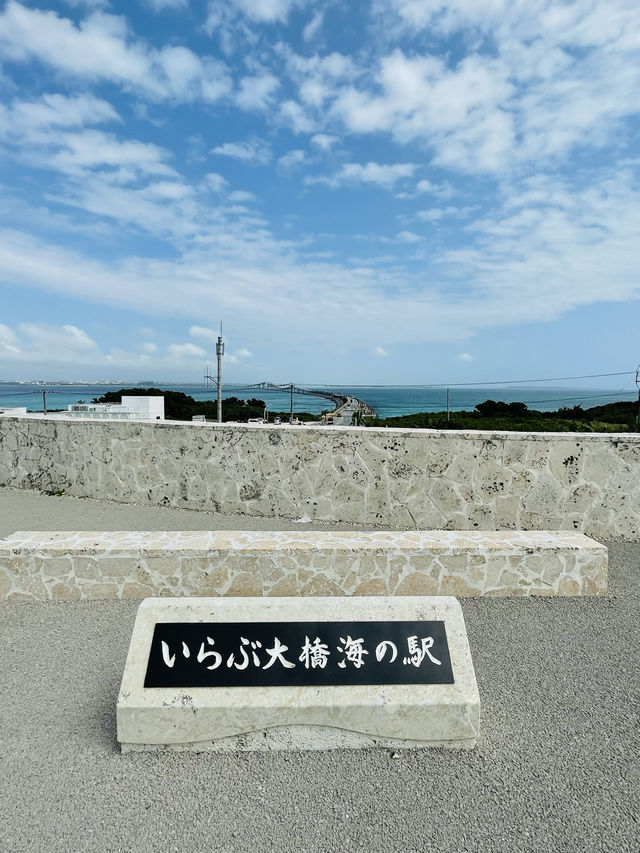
(386, 400)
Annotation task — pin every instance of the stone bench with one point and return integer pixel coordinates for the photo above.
(74, 565)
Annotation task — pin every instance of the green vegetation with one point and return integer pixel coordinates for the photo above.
(495, 415)
(180, 407)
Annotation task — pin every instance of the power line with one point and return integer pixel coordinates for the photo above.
(524, 381)
(591, 397)
(485, 384)
(23, 393)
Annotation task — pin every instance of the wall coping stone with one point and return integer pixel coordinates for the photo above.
(331, 429)
(202, 542)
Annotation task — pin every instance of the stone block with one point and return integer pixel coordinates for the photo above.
(138, 564)
(302, 717)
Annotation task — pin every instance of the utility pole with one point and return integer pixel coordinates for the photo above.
(638, 387)
(291, 406)
(447, 404)
(44, 400)
(220, 353)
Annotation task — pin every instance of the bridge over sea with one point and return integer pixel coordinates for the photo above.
(345, 404)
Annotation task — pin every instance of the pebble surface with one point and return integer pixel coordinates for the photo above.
(556, 768)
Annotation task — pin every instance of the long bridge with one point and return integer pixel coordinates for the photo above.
(344, 404)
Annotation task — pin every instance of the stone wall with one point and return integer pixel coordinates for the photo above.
(387, 477)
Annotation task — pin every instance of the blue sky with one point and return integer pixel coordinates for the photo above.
(388, 191)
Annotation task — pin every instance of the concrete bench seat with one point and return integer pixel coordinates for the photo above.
(133, 564)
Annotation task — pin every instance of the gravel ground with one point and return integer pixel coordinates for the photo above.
(556, 768)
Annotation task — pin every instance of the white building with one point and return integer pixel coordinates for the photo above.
(13, 410)
(129, 409)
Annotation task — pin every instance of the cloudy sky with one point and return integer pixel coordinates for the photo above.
(390, 191)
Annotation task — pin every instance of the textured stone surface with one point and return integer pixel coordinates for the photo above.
(44, 565)
(364, 715)
(398, 478)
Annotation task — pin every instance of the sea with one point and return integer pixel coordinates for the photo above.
(387, 400)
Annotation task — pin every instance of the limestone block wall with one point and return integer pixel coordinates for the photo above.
(72, 565)
(387, 477)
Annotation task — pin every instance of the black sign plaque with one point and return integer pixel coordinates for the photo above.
(297, 654)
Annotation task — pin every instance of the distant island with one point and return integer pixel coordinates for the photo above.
(495, 415)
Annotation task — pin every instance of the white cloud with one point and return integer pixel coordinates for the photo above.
(238, 357)
(333, 66)
(90, 4)
(579, 22)
(42, 342)
(70, 347)
(101, 48)
(256, 93)
(426, 187)
(435, 214)
(260, 11)
(161, 5)
(204, 332)
(168, 191)
(421, 98)
(312, 29)
(97, 166)
(94, 148)
(252, 151)
(465, 356)
(382, 175)
(32, 119)
(152, 208)
(183, 352)
(324, 141)
(297, 117)
(408, 237)
(8, 342)
(549, 77)
(125, 181)
(215, 182)
(241, 196)
(238, 24)
(527, 86)
(380, 352)
(317, 79)
(544, 252)
(292, 158)
(446, 17)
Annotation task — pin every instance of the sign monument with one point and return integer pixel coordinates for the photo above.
(233, 673)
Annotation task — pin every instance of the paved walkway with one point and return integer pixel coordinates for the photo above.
(556, 768)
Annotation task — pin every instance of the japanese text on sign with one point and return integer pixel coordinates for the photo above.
(298, 654)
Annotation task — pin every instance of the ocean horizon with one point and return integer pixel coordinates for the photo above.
(387, 400)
